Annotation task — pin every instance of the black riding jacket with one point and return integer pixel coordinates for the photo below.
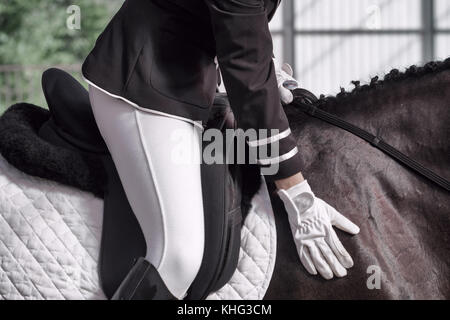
(159, 55)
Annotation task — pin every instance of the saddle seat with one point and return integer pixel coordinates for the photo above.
(65, 145)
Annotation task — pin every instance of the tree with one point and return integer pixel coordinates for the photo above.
(35, 31)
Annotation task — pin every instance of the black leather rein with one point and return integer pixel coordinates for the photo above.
(306, 102)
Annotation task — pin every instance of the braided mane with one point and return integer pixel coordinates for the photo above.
(393, 76)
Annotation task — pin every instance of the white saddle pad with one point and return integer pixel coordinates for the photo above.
(50, 242)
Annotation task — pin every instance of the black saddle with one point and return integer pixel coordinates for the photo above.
(64, 145)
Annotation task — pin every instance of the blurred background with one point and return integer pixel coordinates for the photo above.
(329, 43)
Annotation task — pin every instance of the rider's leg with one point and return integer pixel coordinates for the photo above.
(165, 195)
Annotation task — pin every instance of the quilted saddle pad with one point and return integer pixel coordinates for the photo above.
(50, 242)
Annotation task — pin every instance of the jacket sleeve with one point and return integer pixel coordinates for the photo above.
(244, 50)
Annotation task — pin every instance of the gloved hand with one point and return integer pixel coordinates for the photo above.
(311, 221)
(286, 82)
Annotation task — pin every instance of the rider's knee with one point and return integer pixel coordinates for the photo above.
(188, 257)
(180, 266)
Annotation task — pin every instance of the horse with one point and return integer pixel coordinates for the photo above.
(403, 249)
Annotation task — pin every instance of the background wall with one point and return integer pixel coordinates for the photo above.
(328, 42)
(332, 42)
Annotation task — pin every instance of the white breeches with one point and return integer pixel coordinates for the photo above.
(162, 185)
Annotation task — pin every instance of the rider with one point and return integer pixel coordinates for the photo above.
(152, 72)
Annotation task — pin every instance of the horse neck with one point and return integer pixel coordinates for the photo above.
(411, 114)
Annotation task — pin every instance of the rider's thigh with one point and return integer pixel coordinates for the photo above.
(158, 161)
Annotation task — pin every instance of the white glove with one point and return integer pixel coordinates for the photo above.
(311, 221)
(286, 82)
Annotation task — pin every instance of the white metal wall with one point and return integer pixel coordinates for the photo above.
(356, 14)
(326, 63)
(337, 41)
(443, 23)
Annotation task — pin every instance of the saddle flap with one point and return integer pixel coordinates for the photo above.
(222, 188)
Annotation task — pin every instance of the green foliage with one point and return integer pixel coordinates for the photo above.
(34, 36)
(35, 31)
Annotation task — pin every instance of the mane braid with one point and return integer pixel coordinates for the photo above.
(393, 76)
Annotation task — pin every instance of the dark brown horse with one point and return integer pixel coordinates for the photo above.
(404, 218)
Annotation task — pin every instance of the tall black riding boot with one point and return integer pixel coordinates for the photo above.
(143, 282)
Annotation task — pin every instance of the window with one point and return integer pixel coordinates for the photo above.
(332, 42)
